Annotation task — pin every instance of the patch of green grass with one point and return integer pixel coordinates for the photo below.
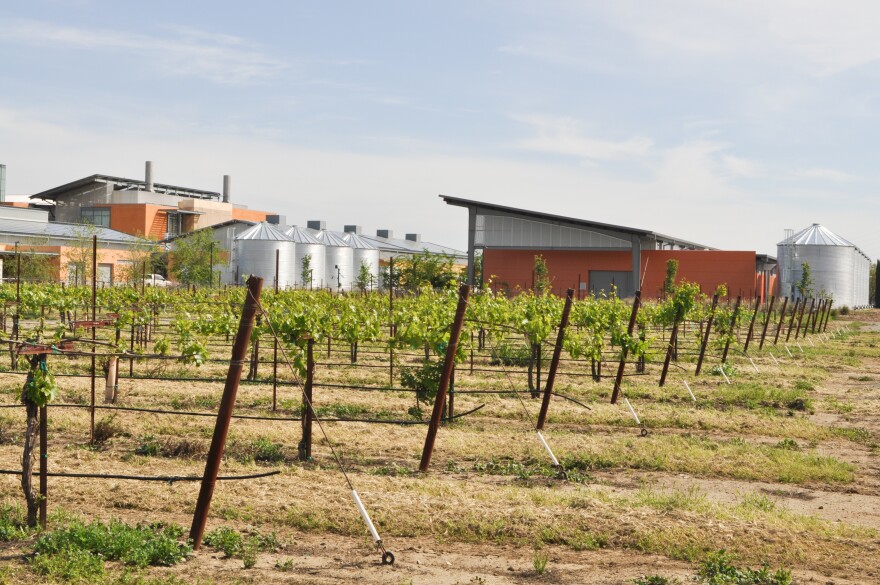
(260, 449)
(539, 561)
(69, 565)
(13, 524)
(718, 569)
(655, 580)
(234, 544)
(752, 395)
(138, 546)
(837, 406)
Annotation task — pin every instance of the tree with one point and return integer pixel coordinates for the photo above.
(542, 276)
(191, 259)
(418, 270)
(364, 278)
(305, 274)
(805, 285)
(144, 257)
(35, 267)
(79, 256)
(671, 273)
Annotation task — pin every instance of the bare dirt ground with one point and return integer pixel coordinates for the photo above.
(642, 508)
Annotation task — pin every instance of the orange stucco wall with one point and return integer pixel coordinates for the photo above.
(139, 219)
(512, 269)
(64, 254)
(249, 214)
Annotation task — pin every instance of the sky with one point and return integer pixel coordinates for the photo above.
(718, 122)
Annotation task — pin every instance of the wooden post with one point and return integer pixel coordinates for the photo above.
(781, 320)
(752, 325)
(308, 415)
(110, 383)
(673, 339)
(227, 404)
(767, 321)
(445, 376)
(554, 363)
(732, 327)
(828, 314)
(637, 301)
(706, 335)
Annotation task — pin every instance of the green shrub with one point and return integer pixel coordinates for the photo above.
(73, 565)
(13, 525)
(718, 569)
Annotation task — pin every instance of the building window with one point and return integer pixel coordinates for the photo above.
(97, 216)
(173, 224)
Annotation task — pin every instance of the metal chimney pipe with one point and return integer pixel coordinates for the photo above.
(149, 175)
(227, 188)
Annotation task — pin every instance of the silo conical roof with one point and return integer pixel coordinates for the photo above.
(263, 231)
(331, 239)
(301, 236)
(359, 243)
(816, 235)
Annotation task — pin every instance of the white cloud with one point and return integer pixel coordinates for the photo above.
(565, 136)
(186, 51)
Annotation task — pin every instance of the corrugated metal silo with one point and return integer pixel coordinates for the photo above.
(255, 255)
(837, 266)
(338, 261)
(307, 245)
(363, 252)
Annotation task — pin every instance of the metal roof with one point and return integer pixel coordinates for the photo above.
(560, 219)
(67, 231)
(122, 184)
(359, 242)
(215, 226)
(816, 235)
(263, 231)
(410, 247)
(330, 238)
(300, 235)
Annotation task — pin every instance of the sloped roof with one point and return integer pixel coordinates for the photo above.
(263, 231)
(68, 231)
(816, 235)
(410, 247)
(122, 184)
(300, 235)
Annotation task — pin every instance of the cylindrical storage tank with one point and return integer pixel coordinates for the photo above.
(307, 245)
(255, 255)
(837, 267)
(338, 261)
(366, 254)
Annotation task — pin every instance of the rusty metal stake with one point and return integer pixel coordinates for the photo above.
(797, 332)
(706, 335)
(445, 377)
(797, 303)
(275, 343)
(224, 414)
(767, 321)
(554, 362)
(637, 301)
(44, 463)
(94, 318)
(827, 315)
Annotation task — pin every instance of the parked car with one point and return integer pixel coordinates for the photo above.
(157, 280)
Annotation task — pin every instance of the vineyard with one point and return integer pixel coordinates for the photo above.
(477, 438)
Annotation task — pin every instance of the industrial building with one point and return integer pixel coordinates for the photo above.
(838, 267)
(593, 257)
(142, 207)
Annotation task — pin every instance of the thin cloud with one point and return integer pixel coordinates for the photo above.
(565, 136)
(827, 175)
(186, 51)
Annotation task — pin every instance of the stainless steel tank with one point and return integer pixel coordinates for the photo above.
(307, 245)
(255, 251)
(338, 261)
(364, 253)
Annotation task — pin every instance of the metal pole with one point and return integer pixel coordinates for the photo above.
(391, 328)
(732, 326)
(767, 321)
(275, 343)
(820, 308)
(227, 403)
(17, 318)
(44, 462)
(451, 349)
(629, 331)
(706, 335)
(554, 362)
(94, 318)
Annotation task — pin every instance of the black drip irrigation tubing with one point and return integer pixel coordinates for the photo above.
(163, 478)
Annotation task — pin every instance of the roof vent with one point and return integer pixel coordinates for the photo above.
(385, 233)
(414, 237)
(352, 229)
(317, 224)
